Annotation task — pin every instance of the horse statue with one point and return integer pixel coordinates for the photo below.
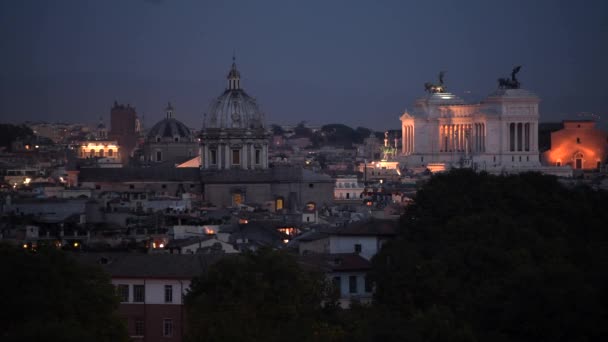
(436, 88)
(510, 83)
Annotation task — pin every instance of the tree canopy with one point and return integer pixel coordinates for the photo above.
(496, 258)
(50, 297)
(9, 133)
(262, 296)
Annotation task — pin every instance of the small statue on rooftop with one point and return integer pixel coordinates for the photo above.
(510, 83)
(436, 88)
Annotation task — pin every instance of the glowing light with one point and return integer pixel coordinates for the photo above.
(285, 240)
(27, 180)
(153, 244)
(76, 244)
(25, 245)
(37, 146)
(162, 245)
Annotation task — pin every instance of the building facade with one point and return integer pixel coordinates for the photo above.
(124, 128)
(498, 135)
(578, 144)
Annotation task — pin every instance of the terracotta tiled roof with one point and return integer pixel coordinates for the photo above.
(342, 262)
(154, 266)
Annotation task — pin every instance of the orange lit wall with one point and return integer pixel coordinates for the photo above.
(578, 140)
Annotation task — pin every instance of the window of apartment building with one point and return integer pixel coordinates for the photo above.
(122, 290)
(139, 293)
(159, 156)
(168, 294)
(369, 285)
(258, 156)
(336, 282)
(167, 327)
(236, 157)
(213, 157)
(139, 327)
(358, 248)
(352, 284)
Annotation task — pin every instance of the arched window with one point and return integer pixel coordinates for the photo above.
(92, 152)
(110, 152)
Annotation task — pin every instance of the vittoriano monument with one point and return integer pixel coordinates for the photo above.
(510, 83)
(436, 88)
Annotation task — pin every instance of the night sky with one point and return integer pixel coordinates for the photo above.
(360, 63)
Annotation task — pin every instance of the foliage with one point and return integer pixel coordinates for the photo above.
(50, 297)
(276, 129)
(9, 133)
(496, 258)
(301, 131)
(262, 296)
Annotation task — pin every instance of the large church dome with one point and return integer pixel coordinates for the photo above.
(169, 129)
(234, 108)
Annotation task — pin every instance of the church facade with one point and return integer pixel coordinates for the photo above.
(498, 134)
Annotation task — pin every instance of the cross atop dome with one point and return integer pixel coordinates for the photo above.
(234, 76)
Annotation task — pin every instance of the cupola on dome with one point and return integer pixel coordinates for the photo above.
(234, 108)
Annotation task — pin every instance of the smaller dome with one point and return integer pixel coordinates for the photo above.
(169, 129)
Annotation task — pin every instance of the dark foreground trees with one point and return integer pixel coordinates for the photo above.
(263, 296)
(47, 296)
(487, 258)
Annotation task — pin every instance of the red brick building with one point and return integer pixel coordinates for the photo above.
(151, 287)
(124, 128)
(578, 144)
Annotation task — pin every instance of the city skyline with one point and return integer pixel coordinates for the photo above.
(343, 62)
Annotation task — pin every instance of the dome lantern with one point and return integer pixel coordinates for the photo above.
(234, 77)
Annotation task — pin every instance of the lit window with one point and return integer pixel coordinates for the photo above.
(92, 152)
(101, 153)
(236, 157)
(167, 327)
(122, 290)
(139, 293)
(279, 203)
(237, 199)
(110, 152)
(168, 294)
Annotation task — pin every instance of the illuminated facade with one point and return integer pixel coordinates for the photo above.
(579, 145)
(107, 149)
(498, 135)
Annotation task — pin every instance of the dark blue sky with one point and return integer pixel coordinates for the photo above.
(355, 62)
